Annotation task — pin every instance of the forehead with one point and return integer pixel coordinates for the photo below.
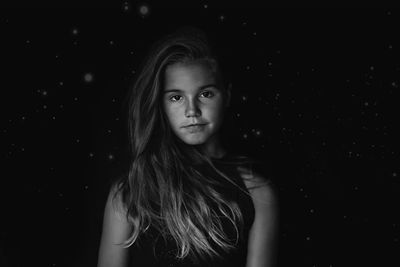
(187, 75)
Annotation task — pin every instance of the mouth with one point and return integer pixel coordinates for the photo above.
(192, 125)
(194, 128)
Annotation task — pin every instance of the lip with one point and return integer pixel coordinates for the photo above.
(194, 124)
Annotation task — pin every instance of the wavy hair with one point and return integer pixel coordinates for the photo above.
(170, 185)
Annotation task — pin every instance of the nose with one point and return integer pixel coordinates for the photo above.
(192, 110)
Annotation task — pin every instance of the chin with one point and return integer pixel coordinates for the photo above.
(193, 140)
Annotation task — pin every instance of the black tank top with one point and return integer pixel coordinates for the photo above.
(161, 254)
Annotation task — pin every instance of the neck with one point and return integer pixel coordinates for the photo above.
(213, 148)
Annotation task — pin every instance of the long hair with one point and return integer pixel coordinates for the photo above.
(170, 185)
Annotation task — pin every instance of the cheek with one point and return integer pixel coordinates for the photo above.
(216, 111)
(172, 115)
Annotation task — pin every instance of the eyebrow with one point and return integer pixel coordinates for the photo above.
(200, 88)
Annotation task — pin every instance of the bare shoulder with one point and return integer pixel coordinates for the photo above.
(115, 232)
(114, 201)
(264, 231)
(261, 188)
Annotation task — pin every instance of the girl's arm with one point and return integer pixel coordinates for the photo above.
(263, 235)
(115, 230)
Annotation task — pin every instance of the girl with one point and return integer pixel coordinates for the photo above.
(186, 200)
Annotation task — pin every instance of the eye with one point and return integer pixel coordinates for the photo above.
(173, 98)
(208, 94)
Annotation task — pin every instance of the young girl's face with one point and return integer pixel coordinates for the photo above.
(191, 96)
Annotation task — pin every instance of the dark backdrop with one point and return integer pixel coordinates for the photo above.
(314, 96)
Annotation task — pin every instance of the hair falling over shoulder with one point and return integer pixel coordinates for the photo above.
(171, 186)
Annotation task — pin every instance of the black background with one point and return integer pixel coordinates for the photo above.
(315, 92)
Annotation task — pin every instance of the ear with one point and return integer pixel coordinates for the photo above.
(228, 95)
